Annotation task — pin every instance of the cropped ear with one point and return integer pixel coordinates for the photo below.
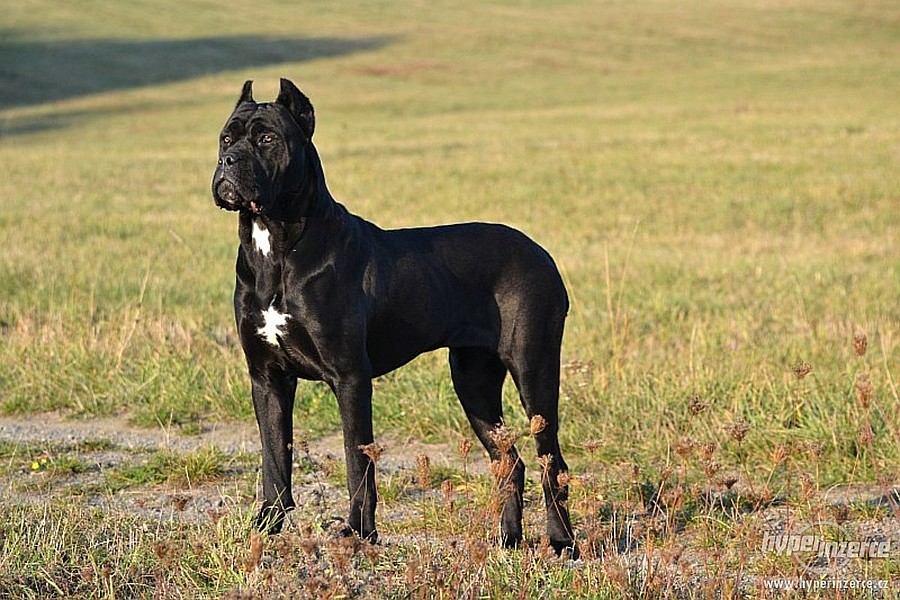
(298, 105)
(246, 93)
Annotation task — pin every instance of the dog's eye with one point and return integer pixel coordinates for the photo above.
(266, 138)
(226, 139)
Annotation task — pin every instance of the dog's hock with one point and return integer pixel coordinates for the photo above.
(273, 321)
(261, 238)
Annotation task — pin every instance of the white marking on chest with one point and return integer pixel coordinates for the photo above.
(261, 238)
(273, 321)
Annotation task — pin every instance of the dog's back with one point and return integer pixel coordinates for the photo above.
(475, 279)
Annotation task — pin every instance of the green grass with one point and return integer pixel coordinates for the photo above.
(191, 468)
(718, 184)
(48, 554)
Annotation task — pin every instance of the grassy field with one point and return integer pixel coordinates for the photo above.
(718, 182)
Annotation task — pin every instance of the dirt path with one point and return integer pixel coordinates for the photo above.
(52, 427)
(100, 448)
(103, 445)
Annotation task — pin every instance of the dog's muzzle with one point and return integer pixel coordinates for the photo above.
(226, 194)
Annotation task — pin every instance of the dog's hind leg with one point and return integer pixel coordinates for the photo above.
(478, 376)
(535, 367)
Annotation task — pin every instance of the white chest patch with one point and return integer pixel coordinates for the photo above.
(273, 321)
(261, 238)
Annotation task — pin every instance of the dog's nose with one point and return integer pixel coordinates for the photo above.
(226, 161)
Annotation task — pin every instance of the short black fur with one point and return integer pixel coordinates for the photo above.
(324, 295)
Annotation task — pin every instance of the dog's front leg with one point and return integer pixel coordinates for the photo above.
(273, 401)
(354, 396)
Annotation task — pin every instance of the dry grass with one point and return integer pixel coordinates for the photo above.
(695, 530)
(717, 183)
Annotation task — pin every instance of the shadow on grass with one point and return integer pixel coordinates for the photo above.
(34, 73)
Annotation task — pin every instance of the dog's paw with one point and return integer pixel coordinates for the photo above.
(336, 527)
(566, 549)
(270, 519)
(372, 537)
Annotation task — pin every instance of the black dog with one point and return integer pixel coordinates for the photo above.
(324, 295)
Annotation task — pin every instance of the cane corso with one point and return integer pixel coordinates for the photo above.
(325, 295)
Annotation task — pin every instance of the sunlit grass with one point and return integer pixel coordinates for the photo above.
(718, 185)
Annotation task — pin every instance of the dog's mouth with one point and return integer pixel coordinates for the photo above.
(228, 197)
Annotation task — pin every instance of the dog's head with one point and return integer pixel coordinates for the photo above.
(262, 152)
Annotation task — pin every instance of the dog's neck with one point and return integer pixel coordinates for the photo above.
(311, 205)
